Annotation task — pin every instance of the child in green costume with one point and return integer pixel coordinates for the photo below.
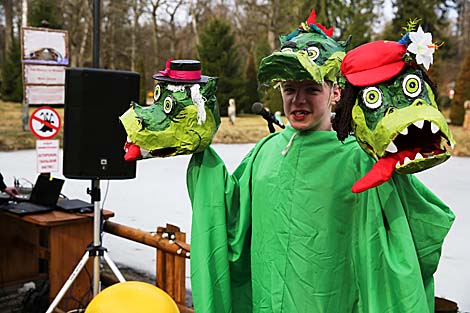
(284, 232)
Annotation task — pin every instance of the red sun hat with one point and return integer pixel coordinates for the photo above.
(373, 63)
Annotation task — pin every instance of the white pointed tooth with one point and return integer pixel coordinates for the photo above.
(419, 124)
(391, 148)
(419, 156)
(398, 164)
(404, 131)
(434, 128)
(406, 160)
(452, 145)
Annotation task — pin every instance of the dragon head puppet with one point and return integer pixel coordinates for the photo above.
(183, 118)
(389, 103)
(308, 53)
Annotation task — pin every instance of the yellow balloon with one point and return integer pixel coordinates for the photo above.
(132, 297)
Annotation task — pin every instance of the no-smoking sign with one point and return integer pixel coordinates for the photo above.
(45, 123)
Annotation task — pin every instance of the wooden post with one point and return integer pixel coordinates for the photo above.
(171, 268)
(160, 270)
(180, 272)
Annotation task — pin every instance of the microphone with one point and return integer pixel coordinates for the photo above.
(258, 108)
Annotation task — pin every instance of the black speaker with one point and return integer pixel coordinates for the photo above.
(93, 136)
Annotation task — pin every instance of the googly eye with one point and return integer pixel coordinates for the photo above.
(412, 85)
(157, 92)
(287, 50)
(168, 104)
(313, 53)
(372, 97)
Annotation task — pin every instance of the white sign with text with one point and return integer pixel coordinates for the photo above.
(47, 155)
(44, 74)
(45, 94)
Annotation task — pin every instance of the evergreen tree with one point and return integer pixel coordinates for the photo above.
(45, 10)
(427, 11)
(462, 92)
(12, 84)
(219, 57)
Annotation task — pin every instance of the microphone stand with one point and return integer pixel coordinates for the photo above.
(271, 127)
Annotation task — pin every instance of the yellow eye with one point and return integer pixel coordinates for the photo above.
(313, 53)
(372, 97)
(287, 50)
(168, 104)
(412, 85)
(157, 92)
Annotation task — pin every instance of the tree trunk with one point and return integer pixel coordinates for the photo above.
(8, 8)
(192, 12)
(155, 34)
(273, 20)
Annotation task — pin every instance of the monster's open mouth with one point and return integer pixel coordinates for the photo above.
(164, 152)
(418, 141)
(418, 145)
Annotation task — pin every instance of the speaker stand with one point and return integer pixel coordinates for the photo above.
(96, 250)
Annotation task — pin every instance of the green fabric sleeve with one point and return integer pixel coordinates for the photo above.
(220, 260)
(430, 220)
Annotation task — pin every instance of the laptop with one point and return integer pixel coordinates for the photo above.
(43, 197)
(75, 205)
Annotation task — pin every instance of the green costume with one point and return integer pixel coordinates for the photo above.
(284, 233)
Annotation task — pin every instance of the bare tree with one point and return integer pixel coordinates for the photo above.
(78, 22)
(171, 10)
(152, 9)
(137, 10)
(8, 9)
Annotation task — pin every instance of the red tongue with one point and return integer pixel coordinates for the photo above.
(382, 170)
(133, 152)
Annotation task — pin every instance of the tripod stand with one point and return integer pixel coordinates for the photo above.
(95, 250)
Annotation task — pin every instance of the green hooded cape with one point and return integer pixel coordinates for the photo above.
(284, 232)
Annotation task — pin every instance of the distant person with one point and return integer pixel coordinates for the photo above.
(11, 191)
(466, 122)
(232, 111)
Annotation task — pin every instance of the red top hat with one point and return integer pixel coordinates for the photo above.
(182, 71)
(373, 63)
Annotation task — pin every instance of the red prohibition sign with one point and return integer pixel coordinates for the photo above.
(45, 122)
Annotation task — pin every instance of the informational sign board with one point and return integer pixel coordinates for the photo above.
(45, 46)
(44, 54)
(44, 74)
(45, 94)
(47, 156)
(45, 122)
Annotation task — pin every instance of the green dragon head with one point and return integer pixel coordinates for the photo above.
(389, 103)
(308, 53)
(183, 118)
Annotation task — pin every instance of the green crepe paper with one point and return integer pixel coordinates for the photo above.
(374, 129)
(151, 128)
(296, 65)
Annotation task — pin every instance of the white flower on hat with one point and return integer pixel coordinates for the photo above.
(421, 45)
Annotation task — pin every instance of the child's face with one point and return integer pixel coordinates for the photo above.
(307, 104)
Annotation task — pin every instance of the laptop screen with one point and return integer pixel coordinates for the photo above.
(46, 190)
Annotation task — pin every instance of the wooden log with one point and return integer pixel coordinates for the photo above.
(149, 239)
